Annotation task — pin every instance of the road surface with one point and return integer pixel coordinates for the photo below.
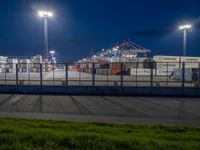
(137, 110)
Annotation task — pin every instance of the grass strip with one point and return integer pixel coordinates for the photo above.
(24, 134)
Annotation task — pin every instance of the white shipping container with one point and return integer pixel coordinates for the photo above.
(191, 65)
(3, 59)
(90, 65)
(83, 65)
(167, 65)
(141, 71)
(190, 59)
(166, 58)
(12, 61)
(164, 72)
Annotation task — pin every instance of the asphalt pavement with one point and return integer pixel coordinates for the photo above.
(108, 109)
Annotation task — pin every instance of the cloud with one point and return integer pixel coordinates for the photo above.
(153, 32)
(87, 40)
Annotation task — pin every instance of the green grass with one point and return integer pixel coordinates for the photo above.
(21, 134)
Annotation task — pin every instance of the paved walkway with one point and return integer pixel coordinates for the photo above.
(151, 110)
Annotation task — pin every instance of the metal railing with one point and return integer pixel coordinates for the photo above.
(129, 74)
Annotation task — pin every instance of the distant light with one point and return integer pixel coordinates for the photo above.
(186, 26)
(45, 14)
(115, 49)
(54, 58)
(52, 52)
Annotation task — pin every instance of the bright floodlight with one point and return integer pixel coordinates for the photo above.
(45, 14)
(186, 26)
(52, 52)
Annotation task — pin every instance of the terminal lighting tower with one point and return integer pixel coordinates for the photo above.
(115, 49)
(45, 15)
(184, 28)
(52, 52)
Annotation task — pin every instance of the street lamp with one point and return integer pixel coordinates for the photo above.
(54, 60)
(45, 15)
(94, 58)
(115, 49)
(185, 28)
(52, 52)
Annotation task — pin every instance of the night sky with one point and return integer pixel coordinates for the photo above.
(80, 26)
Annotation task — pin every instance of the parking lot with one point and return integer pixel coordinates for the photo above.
(151, 110)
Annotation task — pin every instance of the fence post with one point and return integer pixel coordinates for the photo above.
(5, 75)
(53, 74)
(167, 74)
(66, 74)
(79, 78)
(136, 77)
(93, 74)
(122, 72)
(28, 74)
(183, 74)
(41, 75)
(151, 63)
(17, 76)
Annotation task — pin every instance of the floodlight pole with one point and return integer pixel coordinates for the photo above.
(45, 15)
(184, 41)
(185, 28)
(46, 47)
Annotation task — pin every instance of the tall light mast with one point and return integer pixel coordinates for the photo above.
(45, 15)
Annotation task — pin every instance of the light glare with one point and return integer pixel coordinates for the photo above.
(184, 27)
(45, 14)
(52, 52)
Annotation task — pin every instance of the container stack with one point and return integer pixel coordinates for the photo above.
(191, 62)
(103, 68)
(35, 67)
(11, 64)
(166, 64)
(115, 68)
(3, 61)
(24, 65)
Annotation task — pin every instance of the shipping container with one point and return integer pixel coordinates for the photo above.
(190, 59)
(115, 68)
(130, 65)
(192, 74)
(141, 71)
(160, 65)
(163, 72)
(74, 68)
(103, 71)
(101, 60)
(166, 58)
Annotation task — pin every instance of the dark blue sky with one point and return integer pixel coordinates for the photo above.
(82, 25)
